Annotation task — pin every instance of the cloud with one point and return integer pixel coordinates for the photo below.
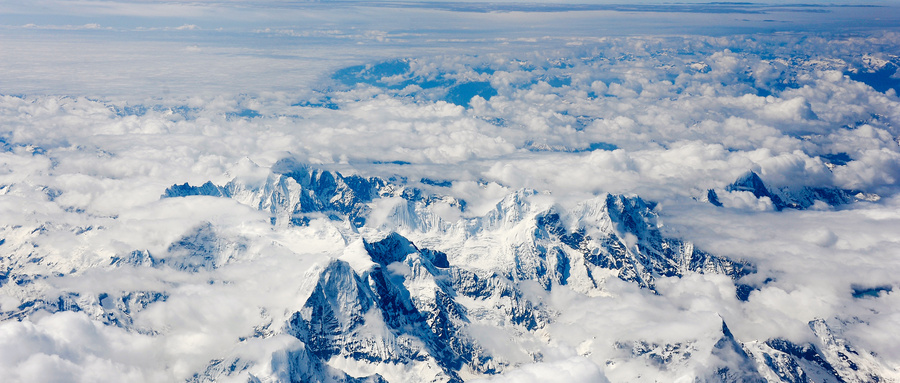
(86, 153)
(575, 369)
(89, 26)
(808, 261)
(69, 347)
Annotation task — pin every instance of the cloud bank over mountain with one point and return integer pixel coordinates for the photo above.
(212, 191)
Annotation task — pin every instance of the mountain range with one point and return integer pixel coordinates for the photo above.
(417, 295)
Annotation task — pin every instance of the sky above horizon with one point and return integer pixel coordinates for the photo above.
(138, 49)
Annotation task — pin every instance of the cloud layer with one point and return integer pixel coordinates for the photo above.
(87, 152)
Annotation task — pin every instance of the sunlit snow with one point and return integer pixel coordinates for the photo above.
(349, 191)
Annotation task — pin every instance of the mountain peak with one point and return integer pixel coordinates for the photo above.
(751, 182)
(790, 197)
(390, 249)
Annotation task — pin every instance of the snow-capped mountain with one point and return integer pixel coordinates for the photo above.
(529, 237)
(788, 197)
(411, 295)
(352, 191)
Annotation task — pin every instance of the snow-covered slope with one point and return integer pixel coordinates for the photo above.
(392, 290)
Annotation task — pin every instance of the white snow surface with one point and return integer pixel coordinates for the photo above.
(107, 106)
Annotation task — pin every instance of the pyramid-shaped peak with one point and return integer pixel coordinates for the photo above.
(750, 182)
